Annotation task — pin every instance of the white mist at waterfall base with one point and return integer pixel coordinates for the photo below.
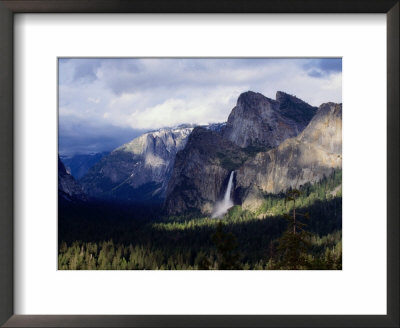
(224, 205)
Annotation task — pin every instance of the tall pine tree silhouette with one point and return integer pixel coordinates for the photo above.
(226, 245)
(294, 243)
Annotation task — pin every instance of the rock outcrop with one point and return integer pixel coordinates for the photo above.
(314, 153)
(201, 172)
(259, 121)
(255, 124)
(68, 188)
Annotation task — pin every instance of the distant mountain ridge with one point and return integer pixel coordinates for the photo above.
(79, 164)
(138, 170)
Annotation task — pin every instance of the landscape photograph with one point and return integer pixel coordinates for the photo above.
(199, 164)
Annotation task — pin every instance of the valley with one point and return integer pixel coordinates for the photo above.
(217, 196)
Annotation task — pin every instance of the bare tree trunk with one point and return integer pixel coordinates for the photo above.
(294, 216)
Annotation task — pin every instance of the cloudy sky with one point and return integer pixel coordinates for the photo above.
(104, 103)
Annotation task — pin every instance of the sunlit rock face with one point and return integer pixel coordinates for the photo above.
(315, 152)
(139, 170)
(260, 121)
(201, 172)
(68, 188)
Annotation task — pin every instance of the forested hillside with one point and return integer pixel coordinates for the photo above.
(120, 236)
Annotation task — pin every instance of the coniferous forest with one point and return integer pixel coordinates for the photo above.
(298, 229)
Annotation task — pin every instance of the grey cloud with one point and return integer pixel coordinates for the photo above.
(132, 75)
(331, 64)
(78, 136)
(315, 73)
(85, 69)
(101, 98)
(323, 67)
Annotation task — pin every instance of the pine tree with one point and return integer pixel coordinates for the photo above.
(294, 242)
(201, 261)
(226, 244)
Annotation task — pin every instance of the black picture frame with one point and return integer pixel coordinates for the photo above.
(7, 10)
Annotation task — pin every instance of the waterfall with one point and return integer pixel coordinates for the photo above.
(227, 196)
(223, 206)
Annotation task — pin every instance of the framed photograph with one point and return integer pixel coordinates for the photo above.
(185, 165)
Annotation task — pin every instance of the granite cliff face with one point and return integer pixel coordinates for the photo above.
(201, 172)
(259, 121)
(313, 154)
(202, 169)
(68, 188)
(138, 170)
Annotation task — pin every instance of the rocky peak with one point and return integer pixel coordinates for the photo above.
(295, 109)
(138, 170)
(325, 129)
(251, 100)
(169, 139)
(283, 96)
(260, 121)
